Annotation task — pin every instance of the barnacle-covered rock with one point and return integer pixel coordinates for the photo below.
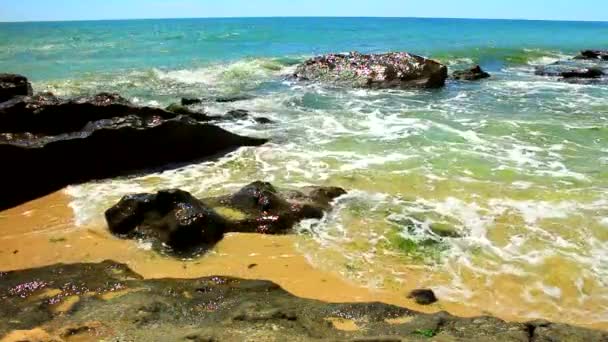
(389, 70)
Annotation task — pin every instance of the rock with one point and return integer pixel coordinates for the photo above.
(423, 296)
(585, 73)
(263, 120)
(389, 70)
(573, 71)
(46, 114)
(171, 217)
(219, 99)
(187, 225)
(12, 85)
(248, 310)
(472, 74)
(234, 98)
(268, 211)
(593, 54)
(48, 143)
(242, 114)
(189, 102)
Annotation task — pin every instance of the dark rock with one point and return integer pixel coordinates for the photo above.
(263, 120)
(171, 217)
(47, 143)
(423, 296)
(189, 226)
(269, 211)
(585, 73)
(389, 70)
(593, 54)
(48, 115)
(234, 98)
(12, 85)
(572, 71)
(472, 74)
(189, 102)
(219, 99)
(249, 310)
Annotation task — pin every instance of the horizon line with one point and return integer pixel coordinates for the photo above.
(300, 17)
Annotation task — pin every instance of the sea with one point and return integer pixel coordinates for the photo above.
(492, 193)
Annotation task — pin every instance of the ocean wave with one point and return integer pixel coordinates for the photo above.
(508, 56)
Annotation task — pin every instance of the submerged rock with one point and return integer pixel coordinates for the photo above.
(423, 296)
(189, 101)
(114, 301)
(188, 225)
(574, 71)
(220, 99)
(593, 54)
(48, 143)
(12, 85)
(171, 217)
(473, 74)
(389, 70)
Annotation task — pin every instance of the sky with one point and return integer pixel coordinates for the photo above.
(43, 10)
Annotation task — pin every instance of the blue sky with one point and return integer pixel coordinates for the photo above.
(34, 10)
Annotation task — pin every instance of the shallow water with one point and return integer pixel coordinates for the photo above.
(514, 168)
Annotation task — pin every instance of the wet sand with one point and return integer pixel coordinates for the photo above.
(42, 232)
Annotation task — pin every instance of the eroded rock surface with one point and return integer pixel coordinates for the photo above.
(115, 304)
(389, 70)
(48, 143)
(189, 226)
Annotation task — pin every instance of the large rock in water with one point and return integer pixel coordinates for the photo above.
(176, 219)
(47, 143)
(574, 71)
(389, 70)
(12, 85)
(593, 54)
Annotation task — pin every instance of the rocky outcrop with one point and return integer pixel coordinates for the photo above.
(47, 143)
(112, 301)
(473, 74)
(12, 85)
(593, 54)
(389, 70)
(188, 226)
(574, 71)
(173, 218)
(569, 72)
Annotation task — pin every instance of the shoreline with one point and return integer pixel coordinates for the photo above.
(42, 234)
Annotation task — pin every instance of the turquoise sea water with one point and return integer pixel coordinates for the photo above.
(514, 167)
